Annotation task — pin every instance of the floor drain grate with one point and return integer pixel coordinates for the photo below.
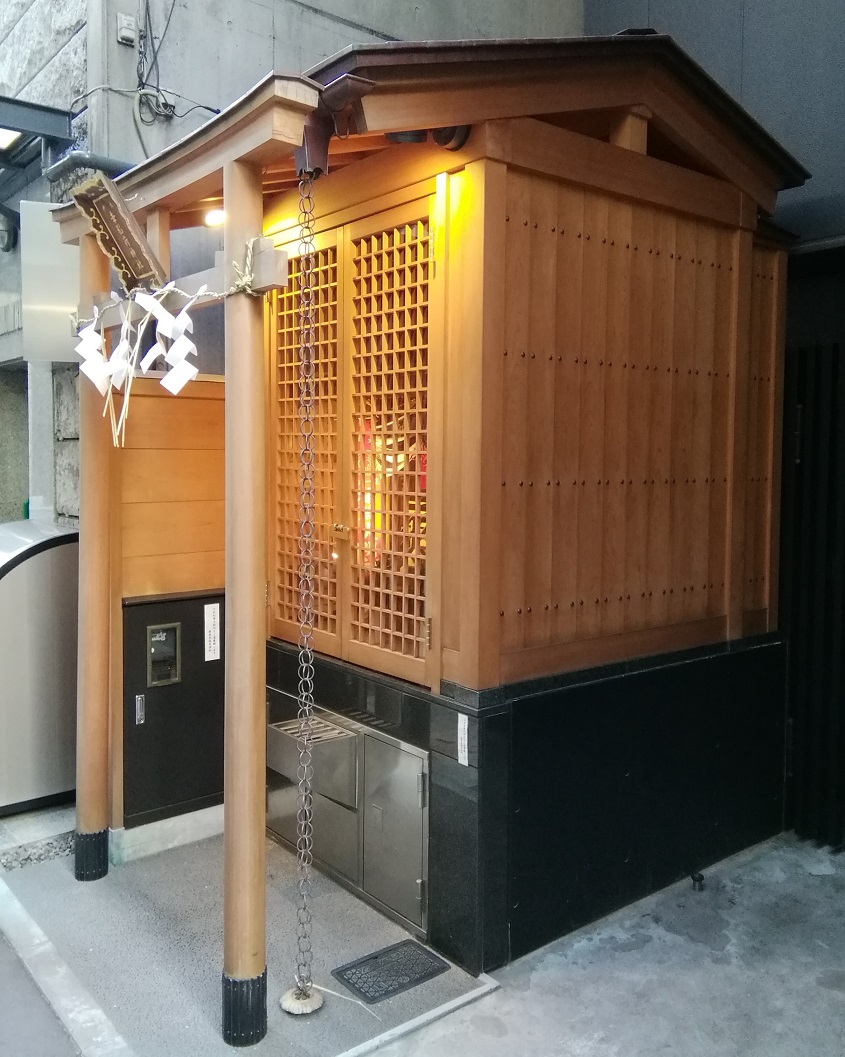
(386, 973)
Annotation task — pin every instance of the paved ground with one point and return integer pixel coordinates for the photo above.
(31, 826)
(28, 1026)
(144, 949)
(753, 966)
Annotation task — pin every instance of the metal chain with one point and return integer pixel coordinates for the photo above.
(305, 773)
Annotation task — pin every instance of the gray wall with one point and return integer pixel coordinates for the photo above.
(42, 49)
(216, 56)
(14, 461)
(783, 60)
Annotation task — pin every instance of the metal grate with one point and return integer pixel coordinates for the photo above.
(389, 380)
(390, 971)
(320, 730)
(325, 444)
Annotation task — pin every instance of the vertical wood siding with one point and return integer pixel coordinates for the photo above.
(615, 455)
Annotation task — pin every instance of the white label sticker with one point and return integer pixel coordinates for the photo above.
(212, 631)
(463, 740)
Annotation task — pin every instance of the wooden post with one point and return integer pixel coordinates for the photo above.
(631, 129)
(778, 366)
(738, 431)
(158, 236)
(92, 696)
(244, 961)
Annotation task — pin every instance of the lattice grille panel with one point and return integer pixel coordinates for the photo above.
(325, 436)
(389, 381)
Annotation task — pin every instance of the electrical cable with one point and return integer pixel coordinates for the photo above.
(151, 100)
(161, 40)
(99, 88)
(136, 117)
(196, 106)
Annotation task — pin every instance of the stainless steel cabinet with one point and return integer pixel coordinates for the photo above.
(370, 809)
(394, 798)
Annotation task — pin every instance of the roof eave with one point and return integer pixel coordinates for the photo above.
(266, 121)
(390, 62)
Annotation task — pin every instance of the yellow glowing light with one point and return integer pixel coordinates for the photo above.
(7, 137)
(214, 218)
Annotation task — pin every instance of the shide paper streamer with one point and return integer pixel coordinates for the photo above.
(115, 373)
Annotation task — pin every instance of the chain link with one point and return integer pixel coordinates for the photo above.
(305, 773)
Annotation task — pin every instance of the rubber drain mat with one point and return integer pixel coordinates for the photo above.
(390, 971)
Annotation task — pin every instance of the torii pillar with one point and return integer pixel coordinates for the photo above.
(244, 957)
(92, 694)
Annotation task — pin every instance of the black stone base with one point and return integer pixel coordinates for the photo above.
(244, 1010)
(92, 855)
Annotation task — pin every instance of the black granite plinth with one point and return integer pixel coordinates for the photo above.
(244, 1010)
(580, 792)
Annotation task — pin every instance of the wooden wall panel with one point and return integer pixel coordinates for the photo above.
(516, 398)
(642, 407)
(164, 475)
(591, 440)
(463, 267)
(540, 362)
(171, 491)
(614, 585)
(568, 386)
(762, 370)
(615, 385)
(173, 528)
(197, 423)
(660, 406)
(720, 446)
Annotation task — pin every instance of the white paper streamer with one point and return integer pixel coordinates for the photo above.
(179, 350)
(177, 378)
(117, 371)
(97, 371)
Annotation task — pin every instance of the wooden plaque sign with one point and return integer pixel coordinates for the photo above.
(118, 233)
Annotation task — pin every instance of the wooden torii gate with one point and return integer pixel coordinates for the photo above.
(264, 126)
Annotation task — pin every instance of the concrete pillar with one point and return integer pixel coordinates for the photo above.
(244, 959)
(41, 442)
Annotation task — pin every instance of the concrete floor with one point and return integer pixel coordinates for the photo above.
(753, 966)
(30, 826)
(28, 1026)
(144, 948)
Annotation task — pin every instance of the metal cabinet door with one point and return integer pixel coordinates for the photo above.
(393, 828)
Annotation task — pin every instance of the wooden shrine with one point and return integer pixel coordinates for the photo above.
(549, 367)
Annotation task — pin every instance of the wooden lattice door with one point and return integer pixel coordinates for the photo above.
(387, 340)
(283, 491)
(373, 510)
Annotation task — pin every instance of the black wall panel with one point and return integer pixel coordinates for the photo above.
(813, 591)
(623, 785)
(173, 761)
